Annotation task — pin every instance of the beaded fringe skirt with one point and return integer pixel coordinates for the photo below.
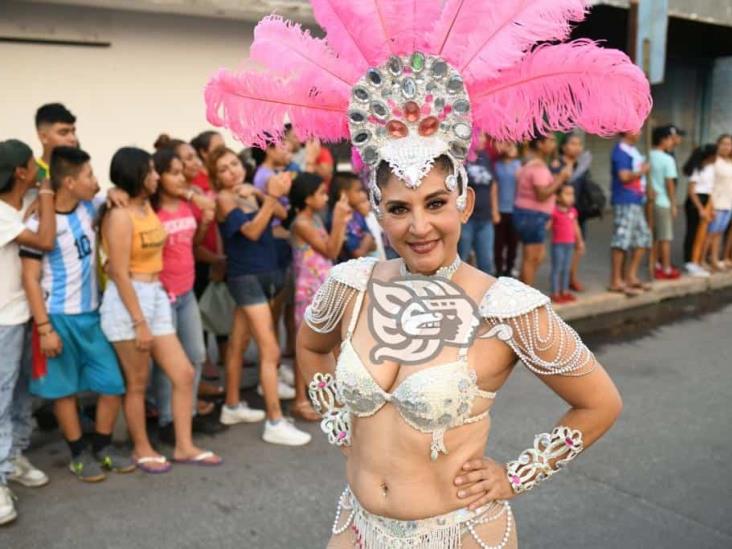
(440, 532)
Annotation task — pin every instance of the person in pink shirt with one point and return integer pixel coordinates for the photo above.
(566, 237)
(536, 188)
(178, 276)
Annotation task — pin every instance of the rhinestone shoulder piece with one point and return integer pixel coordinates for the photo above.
(509, 298)
(354, 273)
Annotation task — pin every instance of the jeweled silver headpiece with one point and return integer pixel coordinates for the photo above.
(408, 112)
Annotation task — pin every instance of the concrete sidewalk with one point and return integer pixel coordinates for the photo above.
(595, 276)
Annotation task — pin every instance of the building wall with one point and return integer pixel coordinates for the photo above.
(720, 99)
(150, 80)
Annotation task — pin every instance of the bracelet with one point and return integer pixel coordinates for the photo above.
(533, 466)
(136, 323)
(38, 325)
(46, 191)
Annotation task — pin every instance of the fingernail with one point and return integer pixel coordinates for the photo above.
(458, 481)
(461, 494)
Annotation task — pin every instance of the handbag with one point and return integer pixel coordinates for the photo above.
(217, 308)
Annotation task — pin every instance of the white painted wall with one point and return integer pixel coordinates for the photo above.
(150, 80)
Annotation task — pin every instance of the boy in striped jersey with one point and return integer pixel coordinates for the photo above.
(63, 294)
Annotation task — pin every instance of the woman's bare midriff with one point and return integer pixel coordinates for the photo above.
(394, 476)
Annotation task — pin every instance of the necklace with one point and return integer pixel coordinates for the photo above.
(442, 272)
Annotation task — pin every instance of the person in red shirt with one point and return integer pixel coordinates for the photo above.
(566, 237)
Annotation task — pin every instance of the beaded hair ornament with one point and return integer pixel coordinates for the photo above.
(408, 81)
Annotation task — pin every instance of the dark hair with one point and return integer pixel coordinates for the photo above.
(304, 185)
(342, 181)
(567, 137)
(697, 158)
(164, 141)
(162, 160)
(203, 141)
(128, 170)
(66, 161)
(25, 153)
(534, 143)
(53, 113)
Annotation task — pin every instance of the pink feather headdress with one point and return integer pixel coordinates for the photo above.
(410, 80)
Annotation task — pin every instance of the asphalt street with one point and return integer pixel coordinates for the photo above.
(659, 479)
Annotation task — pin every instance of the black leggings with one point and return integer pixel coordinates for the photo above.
(692, 224)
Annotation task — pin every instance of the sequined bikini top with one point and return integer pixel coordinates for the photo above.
(441, 397)
(431, 400)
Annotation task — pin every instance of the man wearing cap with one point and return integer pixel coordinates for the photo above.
(18, 172)
(663, 176)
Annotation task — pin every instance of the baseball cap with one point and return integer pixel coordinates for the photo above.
(675, 130)
(13, 154)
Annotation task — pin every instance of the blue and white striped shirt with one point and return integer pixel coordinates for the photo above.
(69, 272)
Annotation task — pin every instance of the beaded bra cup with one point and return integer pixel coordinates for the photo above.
(440, 397)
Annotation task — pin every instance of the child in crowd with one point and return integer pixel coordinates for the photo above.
(63, 294)
(699, 168)
(254, 279)
(313, 253)
(506, 241)
(177, 277)
(56, 127)
(372, 223)
(566, 237)
(722, 202)
(18, 171)
(359, 240)
(136, 312)
(663, 176)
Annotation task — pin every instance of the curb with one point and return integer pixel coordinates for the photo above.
(603, 303)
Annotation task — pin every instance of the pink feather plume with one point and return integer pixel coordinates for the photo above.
(481, 37)
(254, 107)
(560, 87)
(409, 23)
(286, 48)
(355, 30)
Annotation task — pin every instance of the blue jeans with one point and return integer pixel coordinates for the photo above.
(477, 234)
(561, 267)
(188, 328)
(15, 400)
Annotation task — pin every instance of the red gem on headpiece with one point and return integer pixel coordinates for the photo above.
(411, 111)
(428, 126)
(397, 129)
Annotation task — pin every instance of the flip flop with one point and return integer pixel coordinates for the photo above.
(625, 290)
(645, 286)
(200, 460)
(142, 464)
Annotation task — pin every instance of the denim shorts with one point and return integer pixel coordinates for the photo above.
(255, 289)
(720, 222)
(155, 305)
(530, 225)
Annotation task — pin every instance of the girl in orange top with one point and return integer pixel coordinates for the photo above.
(136, 314)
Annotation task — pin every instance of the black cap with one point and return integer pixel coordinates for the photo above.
(675, 130)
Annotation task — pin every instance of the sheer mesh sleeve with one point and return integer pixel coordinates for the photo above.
(524, 319)
(344, 282)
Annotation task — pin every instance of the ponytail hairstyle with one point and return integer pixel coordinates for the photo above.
(304, 185)
(698, 158)
(162, 159)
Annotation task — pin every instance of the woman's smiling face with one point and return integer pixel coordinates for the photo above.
(423, 224)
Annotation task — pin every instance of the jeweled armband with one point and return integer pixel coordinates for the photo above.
(534, 465)
(336, 422)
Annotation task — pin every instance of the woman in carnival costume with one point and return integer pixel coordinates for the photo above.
(424, 342)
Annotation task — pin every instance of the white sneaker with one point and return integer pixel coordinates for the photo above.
(26, 474)
(7, 506)
(285, 433)
(241, 414)
(284, 391)
(287, 374)
(696, 271)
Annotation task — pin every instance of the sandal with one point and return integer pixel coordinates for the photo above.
(205, 408)
(143, 464)
(628, 291)
(305, 411)
(638, 285)
(204, 459)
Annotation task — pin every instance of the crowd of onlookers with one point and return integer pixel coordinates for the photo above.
(121, 293)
